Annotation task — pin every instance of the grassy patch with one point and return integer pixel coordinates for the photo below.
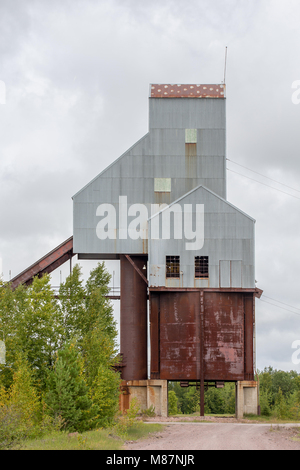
(101, 439)
(143, 430)
(269, 419)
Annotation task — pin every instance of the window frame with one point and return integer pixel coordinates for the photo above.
(202, 269)
(172, 267)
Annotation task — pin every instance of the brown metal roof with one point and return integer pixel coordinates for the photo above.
(187, 91)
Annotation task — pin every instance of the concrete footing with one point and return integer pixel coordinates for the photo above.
(148, 393)
(246, 398)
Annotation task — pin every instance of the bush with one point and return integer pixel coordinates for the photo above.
(68, 395)
(127, 420)
(281, 408)
(149, 412)
(11, 430)
(265, 403)
(172, 400)
(105, 392)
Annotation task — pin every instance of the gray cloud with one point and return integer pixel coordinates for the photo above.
(77, 76)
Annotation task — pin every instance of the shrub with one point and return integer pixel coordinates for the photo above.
(11, 430)
(128, 419)
(68, 395)
(172, 401)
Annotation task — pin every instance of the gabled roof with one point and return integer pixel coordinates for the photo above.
(112, 164)
(209, 191)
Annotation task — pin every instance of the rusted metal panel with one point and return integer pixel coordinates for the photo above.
(187, 91)
(133, 319)
(47, 264)
(224, 336)
(137, 269)
(179, 342)
(155, 335)
(200, 335)
(249, 320)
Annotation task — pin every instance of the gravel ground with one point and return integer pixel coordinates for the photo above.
(210, 433)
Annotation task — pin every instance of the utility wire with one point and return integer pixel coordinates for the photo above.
(264, 176)
(252, 179)
(276, 189)
(281, 302)
(278, 306)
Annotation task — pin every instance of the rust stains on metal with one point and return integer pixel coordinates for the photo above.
(258, 292)
(137, 269)
(187, 91)
(206, 337)
(177, 335)
(133, 334)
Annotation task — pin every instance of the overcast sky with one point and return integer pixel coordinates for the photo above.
(74, 89)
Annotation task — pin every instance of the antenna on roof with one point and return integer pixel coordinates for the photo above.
(225, 65)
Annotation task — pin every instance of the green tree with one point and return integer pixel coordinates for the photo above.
(215, 401)
(72, 305)
(265, 402)
(20, 405)
(98, 306)
(228, 393)
(40, 326)
(172, 402)
(272, 380)
(67, 393)
(281, 408)
(105, 391)
(100, 349)
(8, 326)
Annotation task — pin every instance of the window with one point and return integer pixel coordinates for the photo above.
(162, 185)
(201, 266)
(173, 266)
(191, 136)
(191, 142)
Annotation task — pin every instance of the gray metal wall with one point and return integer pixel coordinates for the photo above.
(228, 242)
(159, 154)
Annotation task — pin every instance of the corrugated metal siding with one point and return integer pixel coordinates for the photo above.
(224, 336)
(178, 335)
(159, 154)
(228, 242)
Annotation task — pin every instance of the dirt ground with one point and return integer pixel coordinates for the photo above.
(211, 433)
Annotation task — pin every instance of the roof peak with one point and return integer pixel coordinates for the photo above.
(187, 91)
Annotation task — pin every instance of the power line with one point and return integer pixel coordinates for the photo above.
(281, 302)
(278, 306)
(252, 179)
(264, 176)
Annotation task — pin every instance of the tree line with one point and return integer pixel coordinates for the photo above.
(60, 353)
(60, 356)
(279, 396)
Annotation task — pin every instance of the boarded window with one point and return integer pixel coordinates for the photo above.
(201, 266)
(191, 136)
(162, 185)
(173, 266)
(190, 142)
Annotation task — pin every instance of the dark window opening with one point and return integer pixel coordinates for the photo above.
(173, 266)
(201, 266)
